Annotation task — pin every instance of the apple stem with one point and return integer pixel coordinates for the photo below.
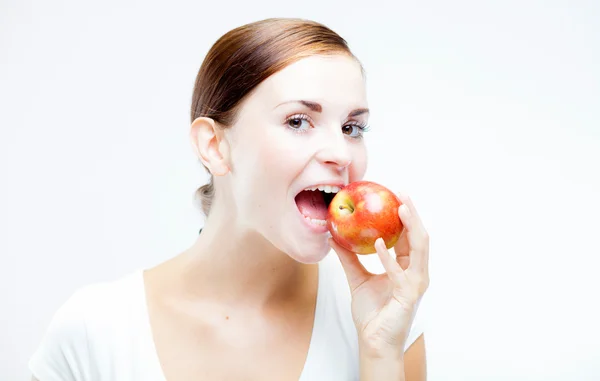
(346, 209)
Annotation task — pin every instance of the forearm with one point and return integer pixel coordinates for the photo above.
(381, 366)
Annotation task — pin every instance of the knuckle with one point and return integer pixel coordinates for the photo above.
(423, 284)
(422, 246)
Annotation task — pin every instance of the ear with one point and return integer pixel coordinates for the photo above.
(210, 146)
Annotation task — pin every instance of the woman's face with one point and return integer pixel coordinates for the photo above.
(299, 130)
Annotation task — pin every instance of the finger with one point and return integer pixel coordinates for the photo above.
(402, 247)
(403, 261)
(415, 219)
(406, 200)
(402, 250)
(417, 237)
(388, 260)
(354, 269)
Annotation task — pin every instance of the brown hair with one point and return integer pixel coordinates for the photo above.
(244, 57)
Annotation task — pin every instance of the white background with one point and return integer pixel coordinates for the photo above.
(486, 113)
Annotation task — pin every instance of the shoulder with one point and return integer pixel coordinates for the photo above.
(99, 302)
(64, 350)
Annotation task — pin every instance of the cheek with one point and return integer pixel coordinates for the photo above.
(275, 158)
(359, 163)
(283, 154)
(267, 161)
(254, 150)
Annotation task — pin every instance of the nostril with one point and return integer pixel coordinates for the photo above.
(339, 164)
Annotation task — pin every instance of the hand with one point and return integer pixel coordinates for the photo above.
(384, 305)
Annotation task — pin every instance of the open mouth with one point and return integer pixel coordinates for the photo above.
(313, 203)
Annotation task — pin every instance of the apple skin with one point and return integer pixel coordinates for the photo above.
(360, 213)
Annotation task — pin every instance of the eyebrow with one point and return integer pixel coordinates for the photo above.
(314, 106)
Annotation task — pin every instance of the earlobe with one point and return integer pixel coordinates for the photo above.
(210, 146)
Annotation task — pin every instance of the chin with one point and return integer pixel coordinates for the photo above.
(309, 252)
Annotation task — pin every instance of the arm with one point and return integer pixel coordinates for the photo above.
(415, 361)
(410, 366)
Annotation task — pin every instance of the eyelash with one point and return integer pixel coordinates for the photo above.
(361, 126)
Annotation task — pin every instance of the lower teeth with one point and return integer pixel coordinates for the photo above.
(315, 221)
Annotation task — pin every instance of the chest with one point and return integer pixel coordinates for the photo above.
(238, 347)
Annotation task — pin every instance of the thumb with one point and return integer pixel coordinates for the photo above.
(354, 269)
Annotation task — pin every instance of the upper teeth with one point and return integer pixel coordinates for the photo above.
(326, 188)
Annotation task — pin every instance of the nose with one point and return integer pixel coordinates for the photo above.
(335, 152)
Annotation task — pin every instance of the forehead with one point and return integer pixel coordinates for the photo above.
(334, 81)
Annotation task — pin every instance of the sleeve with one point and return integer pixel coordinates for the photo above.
(62, 354)
(373, 264)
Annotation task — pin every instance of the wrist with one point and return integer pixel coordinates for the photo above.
(377, 349)
(381, 354)
(381, 364)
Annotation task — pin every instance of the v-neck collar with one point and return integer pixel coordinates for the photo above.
(154, 368)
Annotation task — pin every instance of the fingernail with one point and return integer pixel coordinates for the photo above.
(383, 246)
(404, 209)
(381, 243)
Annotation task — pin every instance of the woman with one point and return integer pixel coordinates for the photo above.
(279, 109)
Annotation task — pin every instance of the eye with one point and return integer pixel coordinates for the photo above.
(299, 123)
(354, 130)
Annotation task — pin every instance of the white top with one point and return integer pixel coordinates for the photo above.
(102, 333)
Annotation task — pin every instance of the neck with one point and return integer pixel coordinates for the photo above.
(234, 264)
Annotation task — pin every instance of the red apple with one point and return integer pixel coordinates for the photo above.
(360, 213)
